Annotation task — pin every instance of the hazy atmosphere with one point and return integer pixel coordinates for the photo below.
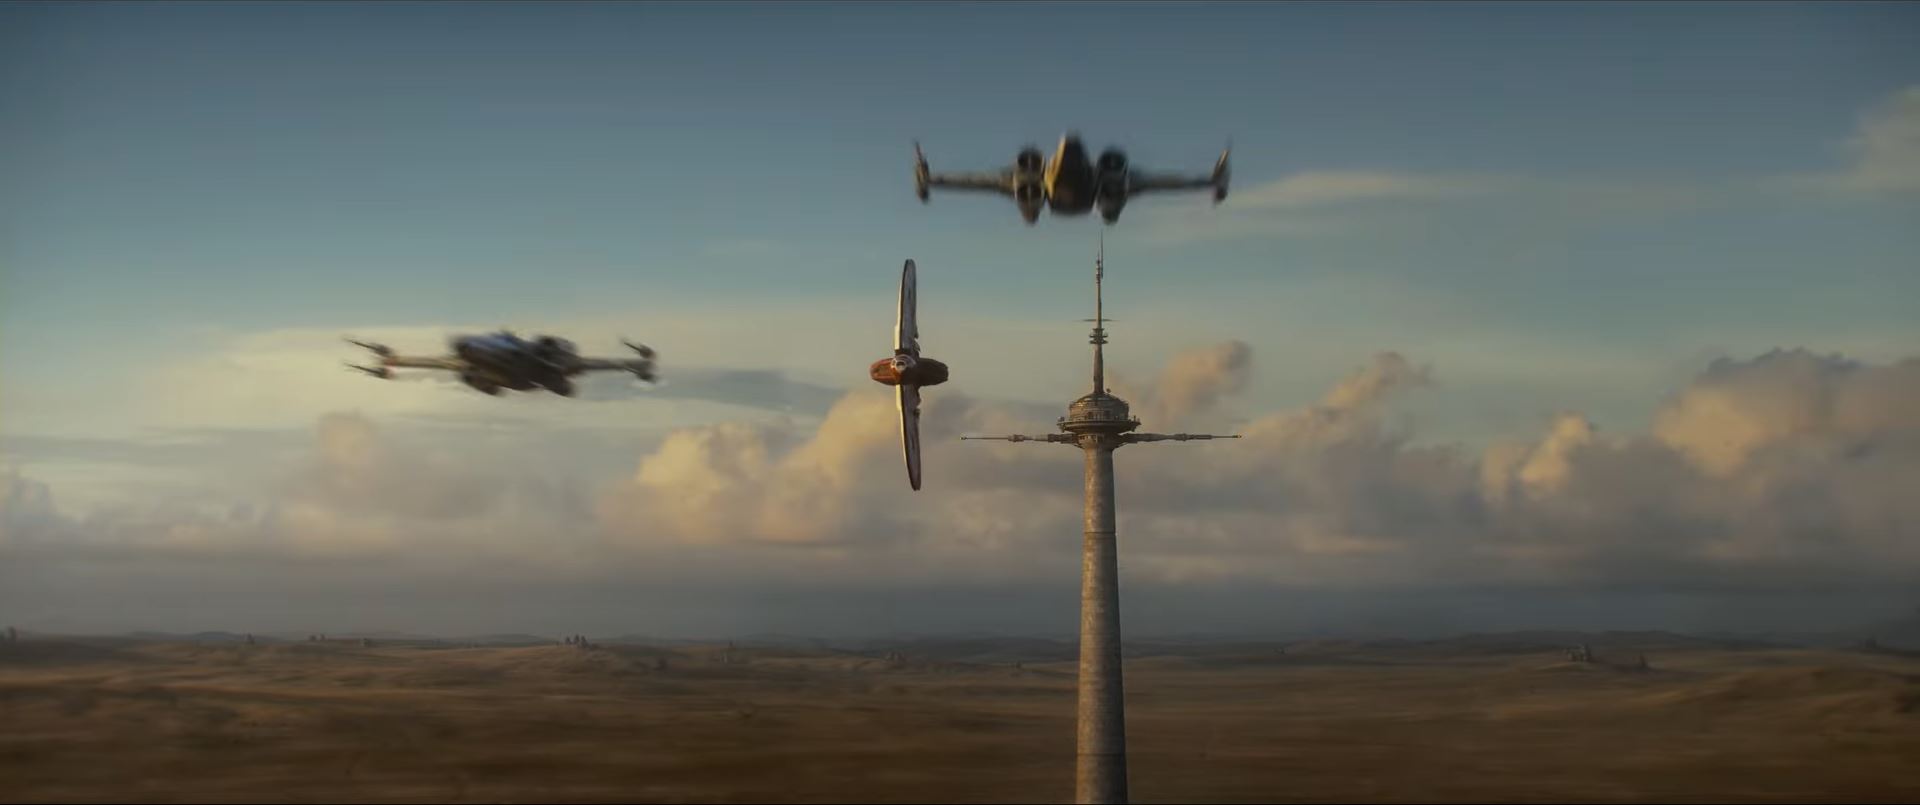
(1531, 316)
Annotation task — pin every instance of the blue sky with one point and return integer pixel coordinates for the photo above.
(1557, 206)
(259, 166)
(314, 164)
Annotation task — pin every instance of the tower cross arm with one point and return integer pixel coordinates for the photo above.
(1063, 438)
(1172, 437)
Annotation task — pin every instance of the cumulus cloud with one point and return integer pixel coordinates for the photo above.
(354, 469)
(1508, 467)
(734, 482)
(363, 490)
(1777, 472)
(1388, 374)
(31, 523)
(354, 490)
(841, 484)
(1330, 480)
(1787, 400)
(1758, 472)
(1193, 382)
(1788, 471)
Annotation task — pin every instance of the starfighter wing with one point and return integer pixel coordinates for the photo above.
(393, 360)
(906, 327)
(924, 179)
(423, 362)
(641, 367)
(1144, 182)
(907, 398)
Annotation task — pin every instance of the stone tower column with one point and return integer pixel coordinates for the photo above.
(1100, 774)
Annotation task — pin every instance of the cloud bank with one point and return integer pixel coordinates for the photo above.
(1787, 472)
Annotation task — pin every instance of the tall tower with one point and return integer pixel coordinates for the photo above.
(1100, 423)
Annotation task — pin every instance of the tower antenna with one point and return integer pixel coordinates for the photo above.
(1099, 318)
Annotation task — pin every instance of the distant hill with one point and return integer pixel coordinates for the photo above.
(778, 640)
(649, 640)
(976, 649)
(507, 639)
(1899, 633)
(1903, 633)
(196, 637)
(385, 634)
(281, 637)
(1545, 640)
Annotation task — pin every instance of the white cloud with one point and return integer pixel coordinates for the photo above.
(1309, 203)
(1736, 410)
(1330, 188)
(1776, 473)
(1881, 154)
(1368, 203)
(1194, 381)
(1885, 147)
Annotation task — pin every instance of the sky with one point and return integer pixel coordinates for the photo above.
(1532, 314)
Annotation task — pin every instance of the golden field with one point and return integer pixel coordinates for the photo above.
(1465, 720)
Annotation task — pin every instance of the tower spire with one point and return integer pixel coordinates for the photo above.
(1099, 319)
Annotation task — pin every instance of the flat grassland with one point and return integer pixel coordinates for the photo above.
(1465, 720)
